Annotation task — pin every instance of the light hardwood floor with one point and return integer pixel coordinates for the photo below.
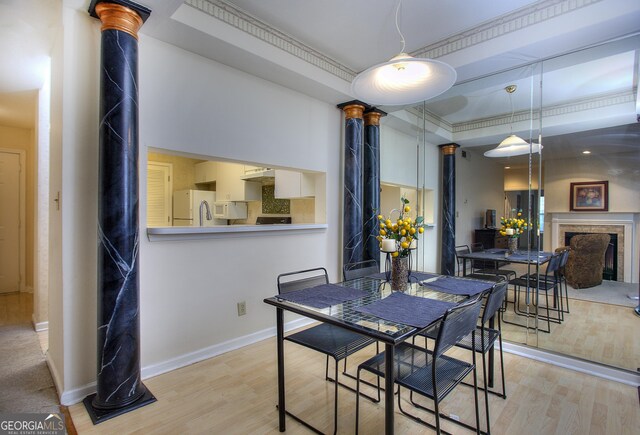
(604, 333)
(236, 393)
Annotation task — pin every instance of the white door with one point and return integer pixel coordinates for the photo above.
(9, 222)
(159, 188)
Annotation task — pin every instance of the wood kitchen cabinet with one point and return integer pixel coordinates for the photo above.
(231, 187)
(294, 184)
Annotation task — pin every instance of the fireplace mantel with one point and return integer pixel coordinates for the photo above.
(624, 224)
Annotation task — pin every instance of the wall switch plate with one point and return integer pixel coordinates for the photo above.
(242, 308)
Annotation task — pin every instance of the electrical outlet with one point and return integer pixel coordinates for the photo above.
(242, 308)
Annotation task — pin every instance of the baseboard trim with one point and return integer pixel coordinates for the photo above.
(76, 395)
(54, 375)
(588, 367)
(39, 326)
(218, 349)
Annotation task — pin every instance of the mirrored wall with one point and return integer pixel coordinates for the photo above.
(582, 108)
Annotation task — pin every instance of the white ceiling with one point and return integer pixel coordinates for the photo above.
(339, 38)
(361, 33)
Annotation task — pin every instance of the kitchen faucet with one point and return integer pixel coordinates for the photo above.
(206, 206)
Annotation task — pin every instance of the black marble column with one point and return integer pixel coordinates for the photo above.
(352, 234)
(448, 250)
(119, 386)
(371, 183)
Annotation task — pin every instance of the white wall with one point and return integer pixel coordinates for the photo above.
(189, 289)
(398, 157)
(398, 166)
(621, 171)
(479, 186)
(41, 217)
(74, 157)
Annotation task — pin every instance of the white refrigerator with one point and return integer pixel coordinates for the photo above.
(190, 206)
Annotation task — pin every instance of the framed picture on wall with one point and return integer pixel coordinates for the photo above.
(590, 196)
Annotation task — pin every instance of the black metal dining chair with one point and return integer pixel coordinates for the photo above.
(333, 341)
(561, 279)
(431, 373)
(546, 283)
(486, 338)
(464, 249)
(360, 269)
(480, 266)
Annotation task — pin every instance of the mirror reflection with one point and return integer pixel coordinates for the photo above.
(580, 192)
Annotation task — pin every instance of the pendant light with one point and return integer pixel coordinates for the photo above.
(513, 145)
(404, 79)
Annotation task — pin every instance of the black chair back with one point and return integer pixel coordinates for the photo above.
(564, 257)
(461, 249)
(477, 247)
(552, 267)
(458, 322)
(360, 269)
(494, 300)
(292, 281)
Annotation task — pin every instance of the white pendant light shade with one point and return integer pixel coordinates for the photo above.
(513, 146)
(403, 80)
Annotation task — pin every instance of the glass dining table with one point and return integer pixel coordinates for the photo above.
(369, 307)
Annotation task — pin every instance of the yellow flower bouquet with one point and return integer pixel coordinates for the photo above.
(513, 226)
(399, 236)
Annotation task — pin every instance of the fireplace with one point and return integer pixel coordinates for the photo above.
(610, 272)
(623, 225)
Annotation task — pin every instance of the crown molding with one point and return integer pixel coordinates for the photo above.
(429, 117)
(525, 115)
(508, 23)
(241, 20)
(512, 22)
(575, 106)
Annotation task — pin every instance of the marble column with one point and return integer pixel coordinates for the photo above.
(371, 183)
(119, 387)
(448, 250)
(352, 233)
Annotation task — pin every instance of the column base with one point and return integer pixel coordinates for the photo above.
(100, 415)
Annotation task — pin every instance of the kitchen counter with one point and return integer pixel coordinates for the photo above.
(191, 233)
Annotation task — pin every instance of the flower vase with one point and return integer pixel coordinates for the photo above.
(399, 273)
(513, 245)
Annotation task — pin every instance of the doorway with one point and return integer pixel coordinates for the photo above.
(12, 219)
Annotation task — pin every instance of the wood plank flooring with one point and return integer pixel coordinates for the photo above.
(604, 333)
(236, 393)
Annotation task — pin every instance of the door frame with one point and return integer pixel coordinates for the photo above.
(22, 183)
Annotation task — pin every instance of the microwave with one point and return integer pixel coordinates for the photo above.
(230, 210)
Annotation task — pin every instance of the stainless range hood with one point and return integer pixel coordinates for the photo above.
(260, 175)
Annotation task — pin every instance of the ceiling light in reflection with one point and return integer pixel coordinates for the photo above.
(586, 152)
(513, 146)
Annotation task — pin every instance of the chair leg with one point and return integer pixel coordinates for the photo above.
(504, 385)
(486, 390)
(358, 398)
(566, 292)
(335, 403)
